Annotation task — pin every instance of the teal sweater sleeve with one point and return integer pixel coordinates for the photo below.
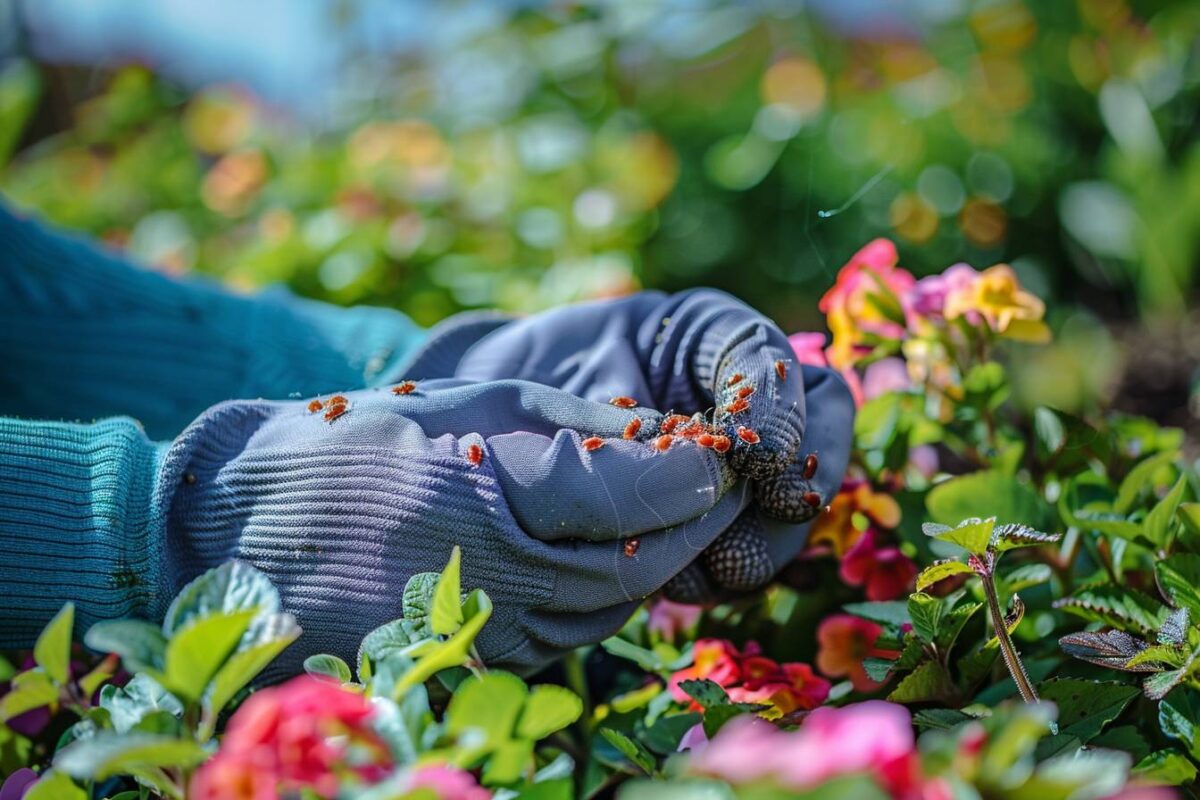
(88, 335)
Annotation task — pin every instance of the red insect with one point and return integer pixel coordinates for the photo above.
(672, 422)
(746, 435)
(737, 406)
(663, 443)
(734, 379)
(631, 430)
(334, 410)
(475, 455)
(314, 406)
(745, 392)
(623, 402)
(593, 443)
(781, 370)
(721, 444)
(631, 546)
(691, 431)
(811, 499)
(337, 399)
(810, 466)
(405, 387)
(706, 440)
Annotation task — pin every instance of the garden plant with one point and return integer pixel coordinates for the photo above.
(996, 604)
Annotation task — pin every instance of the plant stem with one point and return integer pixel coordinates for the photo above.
(1012, 659)
(577, 682)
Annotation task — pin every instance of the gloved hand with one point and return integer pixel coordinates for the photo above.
(339, 512)
(697, 351)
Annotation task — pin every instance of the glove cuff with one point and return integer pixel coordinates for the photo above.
(78, 522)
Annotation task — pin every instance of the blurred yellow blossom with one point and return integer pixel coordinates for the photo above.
(839, 528)
(1008, 309)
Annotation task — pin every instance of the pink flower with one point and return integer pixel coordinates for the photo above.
(669, 619)
(297, 736)
(844, 641)
(924, 459)
(447, 783)
(885, 375)
(695, 739)
(16, 785)
(884, 571)
(809, 348)
(868, 283)
(927, 298)
(873, 738)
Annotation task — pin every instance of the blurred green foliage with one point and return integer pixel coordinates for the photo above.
(587, 149)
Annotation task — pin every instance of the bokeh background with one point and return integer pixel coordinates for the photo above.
(441, 156)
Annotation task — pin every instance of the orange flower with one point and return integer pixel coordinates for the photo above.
(866, 302)
(750, 677)
(997, 296)
(714, 659)
(839, 528)
(844, 641)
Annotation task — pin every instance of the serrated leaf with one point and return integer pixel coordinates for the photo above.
(141, 646)
(418, 596)
(940, 570)
(631, 749)
(1157, 526)
(1013, 535)
(1179, 577)
(1158, 685)
(1158, 657)
(1168, 767)
(548, 709)
(446, 616)
(1174, 627)
(1116, 606)
(52, 651)
(1112, 649)
(323, 665)
(927, 682)
(972, 534)
(233, 587)
(1085, 707)
(926, 614)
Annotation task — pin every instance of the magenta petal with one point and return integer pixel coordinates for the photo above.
(16, 785)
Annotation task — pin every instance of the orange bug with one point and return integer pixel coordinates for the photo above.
(663, 443)
(691, 431)
(737, 406)
(781, 370)
(706, 440)
(631, 430)
(721, 444)
(404, 387)
(811, 498)
(314, 406)
(593, 443)
(623, 402)
(672, 422)
(334, 410)
(746, 435)
(810, 466)
(631, 546)
(745, 392)
(475, 455)
(734, 379)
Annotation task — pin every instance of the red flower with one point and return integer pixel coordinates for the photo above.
(884, 571)
(869, 282)
(787, 688)
(750, 677)
(715, 660)
(844, 641)
(294, 736)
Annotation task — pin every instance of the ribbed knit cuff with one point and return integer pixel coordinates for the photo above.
(76, 523)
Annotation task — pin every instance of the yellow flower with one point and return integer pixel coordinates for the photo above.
(997, 296)
(838, 527)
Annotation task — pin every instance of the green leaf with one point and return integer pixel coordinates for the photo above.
(1168, 767)
(30, 689)
(623, 648)
(1190, 514)
(508, 762)
(927, 682)
(891, 612)
(446, 615)
(1157, 527)
(453, 652)
(1116, 606)
(878, 669)
(490, 703)
(127, 705)
(1162, 656)
(326, 666)
(940, 719)
(1179, 576)
(402, 725)
(705, 692)
(631, 749)
(55, 785)
(926, 614)
(246, 663)
(196, 651)
(1112, 649)
(1085, 707)
(52, 651)
(940, 570)
(972, 534)
(418, 597)
(141, 646)
(1025, 576)
(548, 709)
(664, 735)
(1178, 716)
(716, 717)
(232, 587)
(107, 754)
(982, 495)
(1157, 686)
(1012, 535)
(1140, 478)
(1110, 524)
(953, 623)
(875, 423)
(397, 636)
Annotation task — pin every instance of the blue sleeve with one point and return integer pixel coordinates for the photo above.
(87, 335)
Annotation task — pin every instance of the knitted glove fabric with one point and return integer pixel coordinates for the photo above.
(88, 335)
(697, 351)
(340, 513)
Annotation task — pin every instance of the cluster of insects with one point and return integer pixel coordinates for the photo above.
(334, 407)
